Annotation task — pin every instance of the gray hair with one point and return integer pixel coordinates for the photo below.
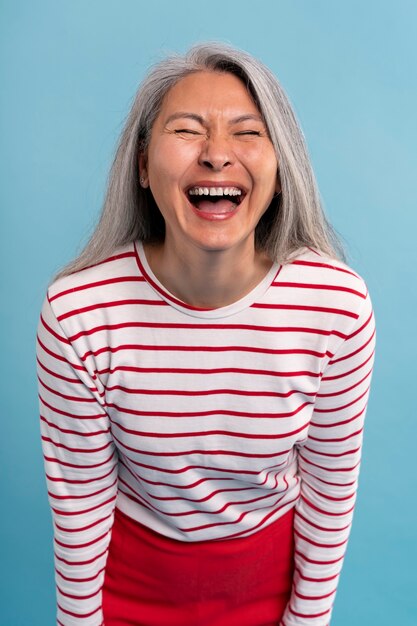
(293, 220)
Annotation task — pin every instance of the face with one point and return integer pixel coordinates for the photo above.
(209, 138)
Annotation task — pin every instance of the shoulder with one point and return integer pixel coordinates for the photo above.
(312, 267)
(103, 281)
(330, 287)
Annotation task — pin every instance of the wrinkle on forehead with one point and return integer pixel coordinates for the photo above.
(217, 96)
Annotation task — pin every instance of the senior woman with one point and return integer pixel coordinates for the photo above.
(204, 368)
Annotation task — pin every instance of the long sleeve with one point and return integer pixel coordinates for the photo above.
(81, 471)
(328, 465)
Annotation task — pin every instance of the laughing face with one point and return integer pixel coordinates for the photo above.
(210, 164)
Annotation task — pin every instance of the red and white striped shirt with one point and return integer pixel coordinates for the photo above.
(204, 423)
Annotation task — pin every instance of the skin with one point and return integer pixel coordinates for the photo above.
(209, 263)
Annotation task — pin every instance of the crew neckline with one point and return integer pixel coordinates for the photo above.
(224, 311)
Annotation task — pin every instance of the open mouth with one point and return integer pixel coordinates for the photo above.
(215, 200)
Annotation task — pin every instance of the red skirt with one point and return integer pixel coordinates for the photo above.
(153, 580)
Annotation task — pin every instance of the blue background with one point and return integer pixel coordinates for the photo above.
(69, 71)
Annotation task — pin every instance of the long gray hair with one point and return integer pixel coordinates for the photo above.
(294, 219)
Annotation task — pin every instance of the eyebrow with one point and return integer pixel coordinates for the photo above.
(200, 119)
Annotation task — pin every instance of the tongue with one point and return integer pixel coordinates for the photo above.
(220, 206)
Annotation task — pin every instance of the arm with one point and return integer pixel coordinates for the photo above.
(329, 463)
(81, 471)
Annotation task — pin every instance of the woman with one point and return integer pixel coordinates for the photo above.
(204, 369)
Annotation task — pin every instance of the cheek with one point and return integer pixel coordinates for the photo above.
(169, 163)
(261, 162)
(173, 154)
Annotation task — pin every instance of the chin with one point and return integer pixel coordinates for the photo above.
(219, 243)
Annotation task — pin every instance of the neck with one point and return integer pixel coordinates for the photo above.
(207, 278)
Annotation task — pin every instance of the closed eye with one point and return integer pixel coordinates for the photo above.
(186, 130)
(249, 132)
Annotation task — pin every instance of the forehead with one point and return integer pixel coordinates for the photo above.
(209, 93)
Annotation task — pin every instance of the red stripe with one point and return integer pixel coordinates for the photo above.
(182, 498)
(343, 406)
(197, 433)
(335, 455)
(315, 580)
(62, 395)
(310, 616)
(297, 552)
(83, 511)
(105, 305)
(330, 469)
(193, 511)
(78, 615)
(68, 481)
(332, 498)
(82, 496)
(319, 286)
(208, 392)
(325, 265)
(301, 307)
(252, 529)
(322, 528)
(303, 597)
(74, 381)
(322, 511)
(53, 333)
(185, 414)
(80, 450)
(364, 325)
(245, 532)
(99, 283)
(340, 422)
(318, 544)
(345, 389)
(187, 468)
(80, 417)
(75, 432)
(198, 326)
(327, 482)
(80, 580)
(181, 348)
(351, 354)
(334, 439)
(77, 563)
(202, 451)
(77, 546)
(115, 257)
(349, 372)
(200, 481)
(80, 529)
(58, 357)
(110, 259)
(240, 518)
(87, 467)
(218, 370)
(70, 595)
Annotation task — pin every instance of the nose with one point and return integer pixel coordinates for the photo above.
(216, 153)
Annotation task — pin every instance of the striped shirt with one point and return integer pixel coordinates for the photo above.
(204, 424)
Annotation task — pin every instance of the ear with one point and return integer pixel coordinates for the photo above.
(143, 169)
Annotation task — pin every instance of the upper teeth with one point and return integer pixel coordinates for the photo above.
(215, 191)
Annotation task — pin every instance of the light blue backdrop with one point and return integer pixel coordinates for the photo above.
(68, 74)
